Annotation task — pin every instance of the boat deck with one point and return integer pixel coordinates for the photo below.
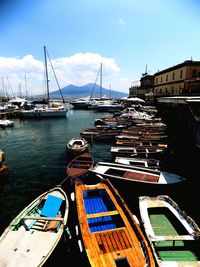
(178, 247)
(134, 176)
(114, 243)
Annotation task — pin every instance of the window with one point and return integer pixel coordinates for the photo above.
(166, 77)
(181, 74)
(194, 73)
(173, 76)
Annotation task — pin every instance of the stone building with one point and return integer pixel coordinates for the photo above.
(181, 79)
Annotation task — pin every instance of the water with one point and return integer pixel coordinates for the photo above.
(36, 154)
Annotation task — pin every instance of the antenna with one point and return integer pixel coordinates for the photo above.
(143, 74)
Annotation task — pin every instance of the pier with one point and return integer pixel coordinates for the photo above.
(182, 113)
(9, 114)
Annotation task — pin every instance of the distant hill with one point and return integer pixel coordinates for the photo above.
(72, 91)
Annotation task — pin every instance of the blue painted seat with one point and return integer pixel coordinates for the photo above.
(51, 206)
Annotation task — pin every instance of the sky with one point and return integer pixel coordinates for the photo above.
(127, 36)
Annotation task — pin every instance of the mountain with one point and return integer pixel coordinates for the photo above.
(90, 89)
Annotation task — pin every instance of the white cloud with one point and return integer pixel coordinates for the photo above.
(78, 69)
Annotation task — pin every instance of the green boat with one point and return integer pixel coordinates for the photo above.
(173, 235)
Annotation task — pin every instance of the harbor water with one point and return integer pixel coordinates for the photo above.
(37, 159)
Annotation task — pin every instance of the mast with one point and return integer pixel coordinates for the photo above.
(26, 87)
(47, 78)
(101, 81)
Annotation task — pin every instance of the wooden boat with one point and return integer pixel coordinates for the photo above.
(137, 151)
(99, 134)
(140, 131)
(110, 233)
(3, 169)
(143, 137)
(126, 142)
(105, 135)
(135, 173)
(34, 233)
(77, 145)
(174, 236)
(79, 166)
(148, 163)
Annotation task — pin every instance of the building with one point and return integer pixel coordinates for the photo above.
(146, 86)
(181, 79)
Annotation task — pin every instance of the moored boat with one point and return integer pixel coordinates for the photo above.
(77, 145)
(173, 235)
(135, 173)
(137, 151)
(99, 134)
(143, 162)
(80, 165)
(5, 123)
(3, 169)
(127, 142)
(110, 233)
(34, 233)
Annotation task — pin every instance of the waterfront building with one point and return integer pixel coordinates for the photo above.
(181, 79)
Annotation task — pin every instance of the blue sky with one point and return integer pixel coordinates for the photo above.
(124, 35)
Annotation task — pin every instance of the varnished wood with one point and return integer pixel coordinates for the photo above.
(80, 165)
(104, 247)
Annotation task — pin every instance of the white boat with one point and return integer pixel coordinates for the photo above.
(81, 103)
(50, 109)
(4, 123)
(135, 173)
(148, 163)
(77, 145)
(137, 151)
(44, 111)
(32, 236)
(173, 235)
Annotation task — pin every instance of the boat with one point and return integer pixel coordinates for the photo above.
(80, 103)
(80, 165)
(143, 162)
(137, 151)
(5, 123)
(173, 235)
(77, 145)
(137, 174)
(3, 169)
(110, 233)
(108, 105)
(142, 137)
(127, 142)
(99, 134)
(47, 108)
(34, 233)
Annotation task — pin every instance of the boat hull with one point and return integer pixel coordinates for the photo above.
(109, 231)
(173, 235)
(40, 114)
(32, 236)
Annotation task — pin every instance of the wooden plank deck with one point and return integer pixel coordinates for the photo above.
(105, 247)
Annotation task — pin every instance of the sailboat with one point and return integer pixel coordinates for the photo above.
(49, 109)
